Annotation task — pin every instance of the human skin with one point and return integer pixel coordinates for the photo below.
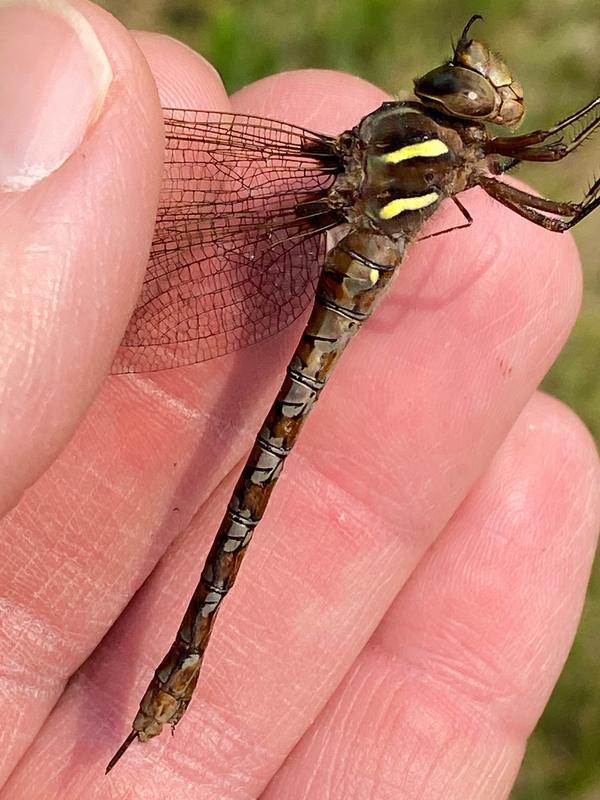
(411, 595)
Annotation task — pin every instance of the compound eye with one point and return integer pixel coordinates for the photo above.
(459, 92)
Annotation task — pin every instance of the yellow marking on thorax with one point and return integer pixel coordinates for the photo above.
(429, 149)
(374, 275)
(401, 204)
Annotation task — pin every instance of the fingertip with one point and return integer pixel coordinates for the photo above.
(77, 242)
(557, 443)
(184, 78)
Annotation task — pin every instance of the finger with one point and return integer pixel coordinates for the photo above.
(76, 533)
(469, 335)
(79, 179)
(443, 697)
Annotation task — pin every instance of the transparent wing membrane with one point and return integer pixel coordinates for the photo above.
(239, 238)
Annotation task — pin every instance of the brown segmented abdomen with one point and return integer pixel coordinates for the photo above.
(355, 275)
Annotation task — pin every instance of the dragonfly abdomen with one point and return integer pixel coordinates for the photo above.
(355, 274)
(351, 282)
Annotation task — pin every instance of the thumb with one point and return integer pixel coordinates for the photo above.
(80, 160)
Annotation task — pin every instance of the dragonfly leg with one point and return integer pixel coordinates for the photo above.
(551, 144)
(538, 209)
(464, 211)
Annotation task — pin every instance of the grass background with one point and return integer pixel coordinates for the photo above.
(554, 49)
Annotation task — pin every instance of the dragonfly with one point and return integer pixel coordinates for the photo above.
(240, 252)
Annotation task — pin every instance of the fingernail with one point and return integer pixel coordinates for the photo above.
(54, 76)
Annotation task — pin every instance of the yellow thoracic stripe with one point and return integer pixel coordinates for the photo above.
(400, 204)
(429, 149)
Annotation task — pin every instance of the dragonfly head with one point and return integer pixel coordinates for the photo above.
(475, 84)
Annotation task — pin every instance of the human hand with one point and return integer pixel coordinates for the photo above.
(384, 639)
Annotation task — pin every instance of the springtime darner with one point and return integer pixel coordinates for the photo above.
(239, 243)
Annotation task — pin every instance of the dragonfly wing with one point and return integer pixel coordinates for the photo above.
(239, 239)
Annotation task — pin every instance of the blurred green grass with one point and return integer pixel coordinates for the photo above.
(554, 49)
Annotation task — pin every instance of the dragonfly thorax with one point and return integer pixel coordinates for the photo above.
(405, 164)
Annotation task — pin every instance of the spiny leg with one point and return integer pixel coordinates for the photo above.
(552, 144)
(532, 207)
